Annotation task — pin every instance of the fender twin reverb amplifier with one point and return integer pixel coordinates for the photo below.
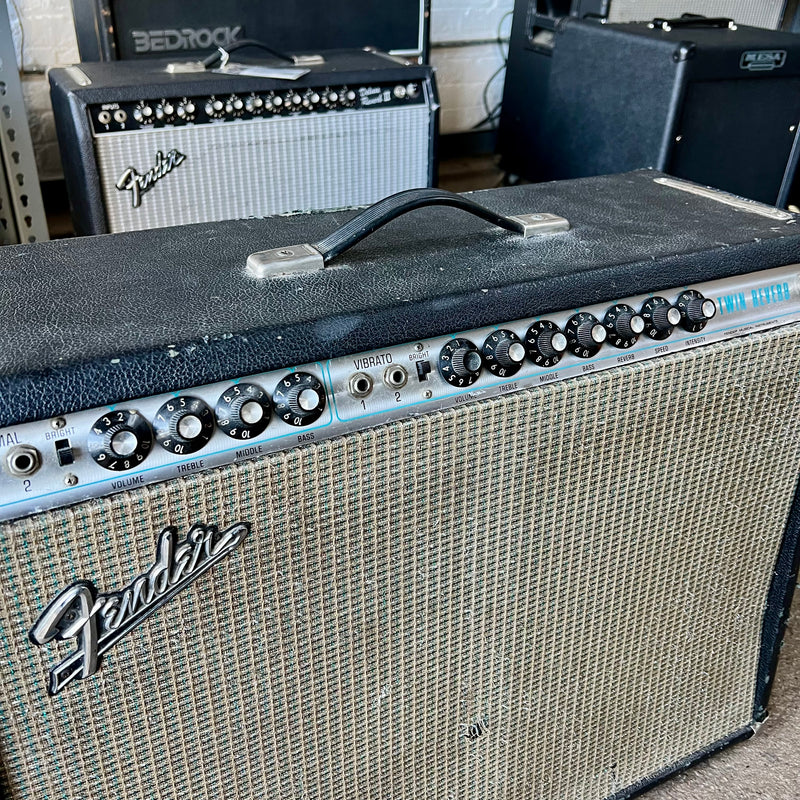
(143, 147)
(514, 517)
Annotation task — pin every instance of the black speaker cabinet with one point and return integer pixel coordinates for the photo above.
(701, 99)
(111, 30)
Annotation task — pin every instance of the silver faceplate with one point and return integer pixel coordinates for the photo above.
(745, 304)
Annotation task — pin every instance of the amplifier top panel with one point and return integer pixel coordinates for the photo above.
(105, 450)
(106, 319)
(98, 81)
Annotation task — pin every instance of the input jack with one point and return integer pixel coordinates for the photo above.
(395, 376)
(23, 460)
(104, 117)
(360, 384)
(120, 116)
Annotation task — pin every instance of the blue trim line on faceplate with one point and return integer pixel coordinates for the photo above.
(325, 368)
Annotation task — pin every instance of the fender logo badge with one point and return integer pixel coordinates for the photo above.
(137, 184)
(99, 620)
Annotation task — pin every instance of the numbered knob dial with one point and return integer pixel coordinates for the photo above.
(695, 310)
(234, 105)
(185, 109)
(215, 108)
(546, 344)
(143, 113)
(585, 335)
(183, 425)
(243, 411)
(660, 317)
(311, 99)
(165, 111)
(120, 440)
(460, 362)
(292, 101)
(623, 325)
(253, 104)
(503, 353)
(299, 398)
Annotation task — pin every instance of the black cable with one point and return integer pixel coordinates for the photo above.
(238, 44)
(492, 113)
(377, 215)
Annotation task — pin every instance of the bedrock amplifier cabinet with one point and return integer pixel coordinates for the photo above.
(457, 510)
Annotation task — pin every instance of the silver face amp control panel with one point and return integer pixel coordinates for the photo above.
(60, 461)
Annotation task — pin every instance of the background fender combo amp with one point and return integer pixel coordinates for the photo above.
(702, 99)
(513, 517)
(146, 148)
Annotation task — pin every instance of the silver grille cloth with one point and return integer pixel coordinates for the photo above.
(263, 167)
(761, 14)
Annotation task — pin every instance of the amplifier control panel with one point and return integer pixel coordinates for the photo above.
(159, 112)
(101, 451)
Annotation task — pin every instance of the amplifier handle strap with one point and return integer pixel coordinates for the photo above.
(692, 21)
(307, 257)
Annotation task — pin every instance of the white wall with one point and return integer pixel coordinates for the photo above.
(44, 35)
(463, 51)
(463, 69)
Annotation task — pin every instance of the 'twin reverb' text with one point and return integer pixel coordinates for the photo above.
(763, 296)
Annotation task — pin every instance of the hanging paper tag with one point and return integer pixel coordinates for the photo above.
(259, 71)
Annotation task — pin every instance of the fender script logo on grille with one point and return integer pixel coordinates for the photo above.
(99, 620)
(137, 184)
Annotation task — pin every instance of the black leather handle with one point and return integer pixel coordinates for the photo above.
(281, 261)
(692, 21)
(217, 55)
(395, 205)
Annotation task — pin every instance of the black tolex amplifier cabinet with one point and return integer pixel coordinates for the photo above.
(701, 99)
(135, 29)
(144, 147)
(515, 517)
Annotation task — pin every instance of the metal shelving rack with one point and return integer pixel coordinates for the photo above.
(22, 217)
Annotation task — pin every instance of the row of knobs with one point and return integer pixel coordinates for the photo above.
(122, 439)
(147, 113)
(216, 108)
(503, 352)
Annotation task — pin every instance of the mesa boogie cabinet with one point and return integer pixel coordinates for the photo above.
(514, 517)
(143, 147)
